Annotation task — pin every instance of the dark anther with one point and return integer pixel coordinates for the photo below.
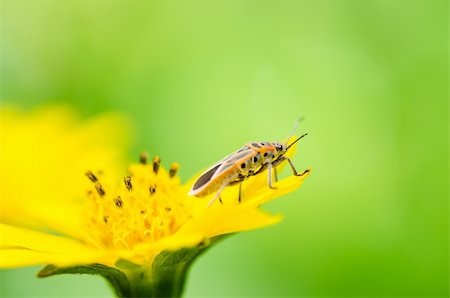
(118, 201)
(173, 170)
(255, 159)
(152, 189)
(143, 158)
(127, 181)
(265, 154)
(156, 163)
(105, 218)
(143, 211)
(91, 176)
(100, 189)
(243, 166)
(168, 209)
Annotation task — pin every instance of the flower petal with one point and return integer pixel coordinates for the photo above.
(16, 257)
(219, 220)
(210, 223)
(263, 195)
(41, 183)
(22, 247)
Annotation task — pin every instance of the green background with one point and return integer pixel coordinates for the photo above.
(198, 79)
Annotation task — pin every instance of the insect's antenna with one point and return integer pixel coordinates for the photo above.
(296, 141)
(294, 128)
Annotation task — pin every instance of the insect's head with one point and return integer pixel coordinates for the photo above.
(281, 149)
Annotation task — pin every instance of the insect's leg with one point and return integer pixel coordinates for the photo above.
(269, 176)
(240, 188)
(293, 168)
(217, 194)
(275, 174)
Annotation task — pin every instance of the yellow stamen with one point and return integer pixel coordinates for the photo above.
(156, 163)
(91, 176)
(127, 181)
(145, 208)
(143, 158)
(100, 189)
(173, 169)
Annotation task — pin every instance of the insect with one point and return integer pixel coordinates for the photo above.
(250, 160)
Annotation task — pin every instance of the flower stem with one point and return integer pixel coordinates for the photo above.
(164, 282)
(165, 277)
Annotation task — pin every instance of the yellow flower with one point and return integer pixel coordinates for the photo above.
(126, 222)
(43, 154)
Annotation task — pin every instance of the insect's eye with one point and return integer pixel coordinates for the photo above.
(243, 166)
(255, 159)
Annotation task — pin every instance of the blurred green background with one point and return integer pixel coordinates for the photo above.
(200, 78)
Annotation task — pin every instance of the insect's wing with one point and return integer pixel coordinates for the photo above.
(204, 179)
(218, 169)
(236, 158)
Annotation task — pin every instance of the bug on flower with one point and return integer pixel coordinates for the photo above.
(250, 160)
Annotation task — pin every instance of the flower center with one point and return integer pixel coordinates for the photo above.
(145, 206)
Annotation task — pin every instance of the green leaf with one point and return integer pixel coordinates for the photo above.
(164, 278)
(128, 265)
(115, 277)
